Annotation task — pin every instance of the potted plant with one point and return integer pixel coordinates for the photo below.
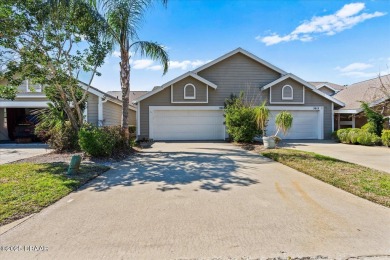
(262, 114)
(146, 143)
(283, 122)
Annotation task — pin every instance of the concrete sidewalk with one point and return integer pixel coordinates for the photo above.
(375, 157)
(14, 152)
(203, 201)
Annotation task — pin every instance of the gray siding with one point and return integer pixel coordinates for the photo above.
(232, 75)
(200, 89)
(132, 117)
(92, 109)
(235, 74)
(313, 99)
(111, 113)
(276, 91)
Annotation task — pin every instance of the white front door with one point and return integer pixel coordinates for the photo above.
(186, 123)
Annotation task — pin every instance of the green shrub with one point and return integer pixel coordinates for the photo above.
(366, 138)
(386, 137)
(369, 127)
(240, 123)
(353, 134)
(103, 141)
(132, 129)
(96, 141)
(334, 136)
(342, 135)
(60, 137)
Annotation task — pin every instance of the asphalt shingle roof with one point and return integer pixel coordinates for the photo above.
(369, 91)
(330, 84)
(133, 95)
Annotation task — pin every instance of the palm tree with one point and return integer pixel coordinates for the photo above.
(123, 18)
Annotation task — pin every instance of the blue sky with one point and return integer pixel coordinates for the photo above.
(337, 41)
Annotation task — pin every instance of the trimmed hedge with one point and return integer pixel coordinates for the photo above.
(102, 141)
(386, 137)
(357, 136)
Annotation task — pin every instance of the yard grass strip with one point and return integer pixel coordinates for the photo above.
(26, 188)
(361, 181)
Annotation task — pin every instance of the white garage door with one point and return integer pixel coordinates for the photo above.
(307, 124)
(186, 123)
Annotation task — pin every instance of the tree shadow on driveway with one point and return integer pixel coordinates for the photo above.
(171, 170)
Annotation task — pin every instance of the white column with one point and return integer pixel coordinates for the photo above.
(100, 111)
(85, 114)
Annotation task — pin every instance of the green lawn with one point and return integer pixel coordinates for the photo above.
(364, 182)
(26, 188)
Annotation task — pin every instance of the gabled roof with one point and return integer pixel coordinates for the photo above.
(333, 86)
(306, 84)
(373, 91)
(246, 53)
(102, 94)
(133, 95)
(169, 83)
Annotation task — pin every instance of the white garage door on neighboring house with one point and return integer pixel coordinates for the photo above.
(307, 122)
(186, 123)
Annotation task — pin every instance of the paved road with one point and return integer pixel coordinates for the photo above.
(204, 200)
(14, 152)
(376, 157)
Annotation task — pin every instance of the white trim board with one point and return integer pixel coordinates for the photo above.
(306, 84)
(246, 53)
(191, 102)
(320, 118)
(138, 118)
(24, 104)
(169, 83)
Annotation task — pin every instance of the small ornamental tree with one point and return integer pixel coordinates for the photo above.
(51, 43)
(374, 118)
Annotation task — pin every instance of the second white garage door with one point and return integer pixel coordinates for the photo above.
(307, 124)
(186, 123)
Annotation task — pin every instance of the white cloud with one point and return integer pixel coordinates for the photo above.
(358, 66)
(345, 18)
(363, 70)
(151, 65)
(142, 64)
(116, 54)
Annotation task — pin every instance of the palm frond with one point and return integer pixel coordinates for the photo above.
(152, 50)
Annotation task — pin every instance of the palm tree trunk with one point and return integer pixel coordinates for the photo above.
(125, 86)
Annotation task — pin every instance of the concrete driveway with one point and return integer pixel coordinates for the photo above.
(376, 157)
(202, 201)
(14, 152)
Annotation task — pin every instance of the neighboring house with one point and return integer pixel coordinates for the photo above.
(102, 109)
(132, 96)
(328, 87)
(191, 106)
(375, 91)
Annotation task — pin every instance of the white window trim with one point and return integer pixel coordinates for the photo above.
(286, 102)
(190, 102)
(292, 93)
(152, 109)
(185, 91)
(37, 88)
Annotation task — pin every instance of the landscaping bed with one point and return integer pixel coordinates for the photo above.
(364, 182)
(26, 188)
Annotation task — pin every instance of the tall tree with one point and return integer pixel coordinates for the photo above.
(51, 42)
(123, 19)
